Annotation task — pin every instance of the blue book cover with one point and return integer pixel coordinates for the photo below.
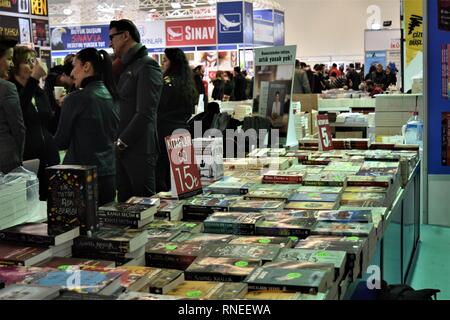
(314, 197)
(361, 216)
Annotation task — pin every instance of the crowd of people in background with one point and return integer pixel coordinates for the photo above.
(320, 78)
(119, 108)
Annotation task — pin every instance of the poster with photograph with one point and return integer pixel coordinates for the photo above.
(24, 25)
(274, 73)
(445, 71)
(41, 34)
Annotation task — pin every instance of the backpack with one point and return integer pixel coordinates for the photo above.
(405, 292)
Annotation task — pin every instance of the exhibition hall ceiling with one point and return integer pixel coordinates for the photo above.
(72, 12)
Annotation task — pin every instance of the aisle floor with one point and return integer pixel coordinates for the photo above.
(433, 262)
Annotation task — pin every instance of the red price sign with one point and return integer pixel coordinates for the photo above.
(325, 136)
(186, 176)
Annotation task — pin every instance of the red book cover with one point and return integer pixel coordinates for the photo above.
(186, 177)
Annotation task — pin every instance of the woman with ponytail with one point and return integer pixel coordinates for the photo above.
(90, 118)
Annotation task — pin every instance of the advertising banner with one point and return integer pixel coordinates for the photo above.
(248, 23)
(153, 34)
(77, 38)
(374, 58)
(191, 33)
(230, 22)
(9, 27)
(39, 8)
(41, 33)
(274, 74)
(263, 27)
(15, 6)
(278, 28)
(413, 12)
(438, 46)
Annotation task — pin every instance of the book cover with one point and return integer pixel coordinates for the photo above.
(298, 227)
(318, 189)
(286, 176)
(20, 274)
(314, 197)
(263, 253)
(344, 229)
(209, 290)
(267, 195)
(368, 181)
(285, 278)
(145, 296)
(288, 214)
(28, 292)
(164, 280)
(170, 210)
(72, 197)
(201, 238)
(124, 222)
(38, 234)
(337, 259)
(328, 179)
(63, 263)
(282, 242)
(355, 216)
(161, 234)
(282, 295)
(20, 255)
(366, 189)
(146, 201)
(229, 185)
(193, 227)
(256, 206)
(129, 211)
(72, 295)
(172, 255)
(220, 269)
(312, 205)
(112, 240)
(81, 280)
(232, 223)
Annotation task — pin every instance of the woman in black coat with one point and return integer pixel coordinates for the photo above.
(175, 108)
(37, 113)
(12, 128)
(89, 120)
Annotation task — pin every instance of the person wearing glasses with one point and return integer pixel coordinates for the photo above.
(37, 113)
(12, 128)
(90, 119)
(140, 84)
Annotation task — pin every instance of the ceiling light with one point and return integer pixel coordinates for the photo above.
(376, 26)
(67, 11)
(152, 10)
(175, 5)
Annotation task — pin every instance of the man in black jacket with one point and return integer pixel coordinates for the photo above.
(239, 85)
(139, 85)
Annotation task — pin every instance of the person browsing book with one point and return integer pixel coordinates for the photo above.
(89, 120)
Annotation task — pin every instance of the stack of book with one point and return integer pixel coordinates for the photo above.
(209, 157)
(200, 207)
(286, 223)
(135, 213)
(313, 201)
(209, 290)
(238, 223)
(28, 244)
(124, 246)
(13, 202)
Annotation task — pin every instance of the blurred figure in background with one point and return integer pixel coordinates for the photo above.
(175, 108)
(12, 128)
(37, 113)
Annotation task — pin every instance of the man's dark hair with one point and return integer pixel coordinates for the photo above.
(237, 69)
(297, 64)
(67, 68)
(334, 74)
(351, 65)
(5, 44)
(302, 65)
(334, 65)
(126, 25)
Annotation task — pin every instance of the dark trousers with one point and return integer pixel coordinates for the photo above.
(106, 186)
(163, 171)
(135, 176)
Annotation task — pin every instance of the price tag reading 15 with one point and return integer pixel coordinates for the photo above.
(186, 176)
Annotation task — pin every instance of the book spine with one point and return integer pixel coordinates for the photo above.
(89, 217)
(283, 179)
(283, 232)
(11, 263)
(324, 183)
(28, 239)
(196, 216)
(216, 277)
(119, 214)
(126, 222)
(163, 215)
(101, 245)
